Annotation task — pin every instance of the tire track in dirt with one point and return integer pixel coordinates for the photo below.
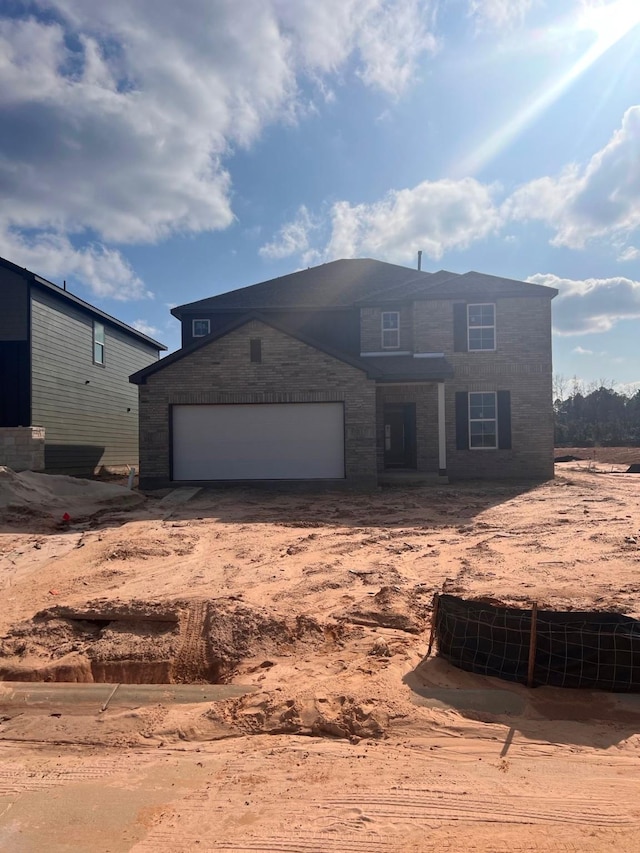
(386, 821)
(16, 779)
(447, 806)
(191, 664)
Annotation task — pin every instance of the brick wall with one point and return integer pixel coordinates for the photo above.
(371, 328)
(520, 364)
(290, 372)
(22, 448)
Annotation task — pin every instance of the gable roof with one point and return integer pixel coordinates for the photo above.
(359, 281)
(476, 283)
(338, 284)
(64, 294)
(140, 377)
(398, 369)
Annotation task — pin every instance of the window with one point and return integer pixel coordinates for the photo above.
(255, 350)
(390, 329)
(483, 421)
(98, 343)
(481, 326)
(200, 328)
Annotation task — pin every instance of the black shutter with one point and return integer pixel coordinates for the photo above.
(504, 420)
(460, 327)
(462, 420)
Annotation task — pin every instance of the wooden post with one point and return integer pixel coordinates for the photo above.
(532, 643)
(434, 616)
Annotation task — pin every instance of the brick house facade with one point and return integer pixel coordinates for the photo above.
(413, 373)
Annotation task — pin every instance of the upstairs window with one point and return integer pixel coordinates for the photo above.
(481, 327)
(390, 330)
(200, 328)
(255, 350)
(483, 420)
(98, 343)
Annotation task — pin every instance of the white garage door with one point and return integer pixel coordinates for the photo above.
(283, 441)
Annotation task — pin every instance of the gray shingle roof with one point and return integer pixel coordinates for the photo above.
(406, 368)
(357, 281)
(337, 284)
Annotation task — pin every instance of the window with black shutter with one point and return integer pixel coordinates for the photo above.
(483, 420)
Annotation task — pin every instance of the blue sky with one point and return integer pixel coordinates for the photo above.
(154, 153)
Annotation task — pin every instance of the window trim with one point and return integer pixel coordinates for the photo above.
(492, 326)
(384, 314)
(96, 343)
(494, 420)
(200, 320)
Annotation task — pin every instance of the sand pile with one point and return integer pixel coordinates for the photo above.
(54, 494)
(142, 642)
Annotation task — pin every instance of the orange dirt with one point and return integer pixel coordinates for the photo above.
(352, 740)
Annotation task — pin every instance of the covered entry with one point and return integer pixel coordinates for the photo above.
(400, 435)
(269, 441)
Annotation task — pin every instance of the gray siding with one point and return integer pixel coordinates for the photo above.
(14, 299)
(90, 412)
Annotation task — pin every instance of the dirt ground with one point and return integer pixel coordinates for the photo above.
(351, 738)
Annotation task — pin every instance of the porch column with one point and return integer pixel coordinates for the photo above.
(442, 433)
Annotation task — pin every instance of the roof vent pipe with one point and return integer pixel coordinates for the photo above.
(64, 283)
(419, 260)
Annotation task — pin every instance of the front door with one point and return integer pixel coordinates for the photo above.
(400, 435)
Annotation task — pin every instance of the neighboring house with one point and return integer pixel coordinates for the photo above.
(354, 370)
(65, 366)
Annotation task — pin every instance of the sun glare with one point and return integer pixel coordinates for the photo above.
(610, 23)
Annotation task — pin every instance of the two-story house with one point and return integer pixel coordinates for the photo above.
(64, 378)
(354, 371)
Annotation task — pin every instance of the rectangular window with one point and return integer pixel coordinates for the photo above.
(98, 343)
(390, 330)
(481, 327)
(483, 420)
(255, 350)
(200, 328)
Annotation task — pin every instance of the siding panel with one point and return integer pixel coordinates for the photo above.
(90, 411)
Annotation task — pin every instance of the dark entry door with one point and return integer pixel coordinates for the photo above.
(400, 435)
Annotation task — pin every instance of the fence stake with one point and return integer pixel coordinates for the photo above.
(434, 616)
(532, 643)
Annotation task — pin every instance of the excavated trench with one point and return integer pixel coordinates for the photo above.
(194, 642)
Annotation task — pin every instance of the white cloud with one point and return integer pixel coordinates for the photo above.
(387, 37)
(53, 256)
(601, 200)
(117, 117)
(434, 216)
(629, 389)
(629, 254)
(582, 351)
(145, 328)
(591, 305)
(292, 239)
(499, 14)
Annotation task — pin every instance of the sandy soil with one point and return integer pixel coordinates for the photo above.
(352, 740)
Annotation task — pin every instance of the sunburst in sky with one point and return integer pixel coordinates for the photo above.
(153, 154)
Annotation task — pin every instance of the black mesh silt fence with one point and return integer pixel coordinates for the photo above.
(600, 651)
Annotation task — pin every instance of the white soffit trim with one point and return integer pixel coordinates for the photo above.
(384, 352)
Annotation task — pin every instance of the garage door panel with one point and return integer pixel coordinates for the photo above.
(258, 442)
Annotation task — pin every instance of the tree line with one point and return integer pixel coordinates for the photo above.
(596, 415)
